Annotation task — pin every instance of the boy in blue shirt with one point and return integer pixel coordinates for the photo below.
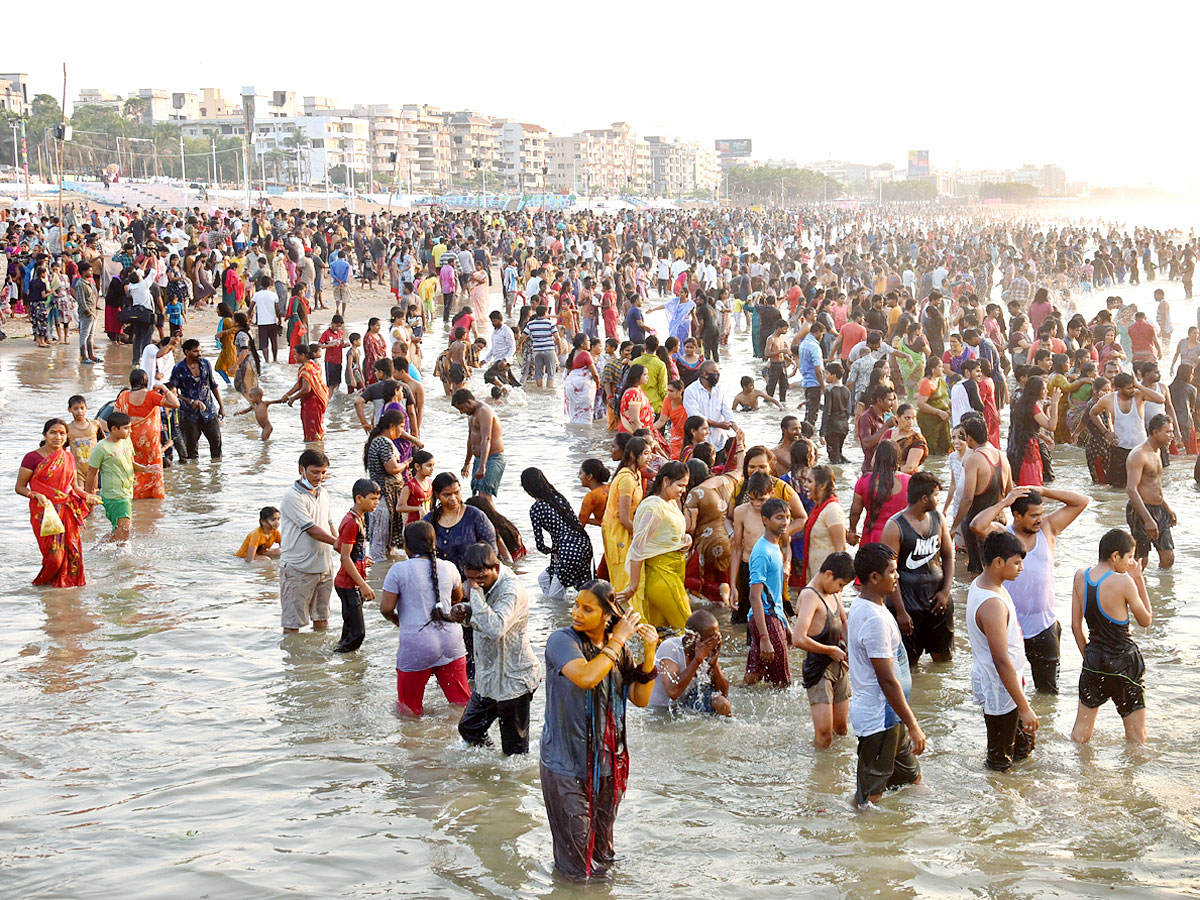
(176, 317)
(768, 654)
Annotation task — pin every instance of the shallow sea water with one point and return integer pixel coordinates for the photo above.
(161, 738)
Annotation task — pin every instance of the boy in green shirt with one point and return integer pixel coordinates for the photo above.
(113, 457)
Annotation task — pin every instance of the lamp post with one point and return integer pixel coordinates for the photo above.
(545, 170)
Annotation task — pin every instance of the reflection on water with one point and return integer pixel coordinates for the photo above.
(161, 737)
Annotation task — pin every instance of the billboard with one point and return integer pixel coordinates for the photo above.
(918, 163)
(733, 147)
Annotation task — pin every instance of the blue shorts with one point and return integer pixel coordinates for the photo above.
(490, 482)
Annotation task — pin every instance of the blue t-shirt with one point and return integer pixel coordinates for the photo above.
(810, 360)
(175, 313)
(634, 326)
(766, 568)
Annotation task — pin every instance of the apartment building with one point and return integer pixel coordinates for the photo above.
(524, 151)
(474, 149)
(14, 93)
(600, 160)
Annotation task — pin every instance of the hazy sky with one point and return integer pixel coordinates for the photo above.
(1105, 90)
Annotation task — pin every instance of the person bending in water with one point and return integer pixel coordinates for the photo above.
(689, 669)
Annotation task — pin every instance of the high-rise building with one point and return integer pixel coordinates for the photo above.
(599, 160)
(431, 165)
(681, 168)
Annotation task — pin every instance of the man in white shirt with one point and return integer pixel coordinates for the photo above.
(504, 345)
(308, 537)
(704, 397)
(710, 276)
(158, 360)
(262, 313)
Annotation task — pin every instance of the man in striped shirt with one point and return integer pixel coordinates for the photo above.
(539, 332)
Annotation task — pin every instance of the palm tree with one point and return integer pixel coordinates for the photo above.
(295, 142)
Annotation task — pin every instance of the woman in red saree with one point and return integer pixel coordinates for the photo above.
(47, 478)
(141, 405)
(311, 391)
(297, 321)
(374, 348)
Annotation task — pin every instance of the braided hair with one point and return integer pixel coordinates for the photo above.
(420, 539)
(389, 419)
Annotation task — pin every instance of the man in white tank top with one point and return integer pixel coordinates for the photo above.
(998, 665)
(1126, 404)
(1032, 591)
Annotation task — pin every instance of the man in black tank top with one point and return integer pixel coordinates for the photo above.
(925, 564)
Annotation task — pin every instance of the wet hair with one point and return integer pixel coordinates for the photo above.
(671, 471)
(840, 565)
(596, 469)
(922, 485)
(1157, 422)
(461, 396)
(389, 419)
(1002, 545)
(506, 530)
(266, 513)
(872, 559)
(364, 487)
(1115, 540)
(882, 480)
(537, 486)
(420, 539)
(480, 556)
(606, 596)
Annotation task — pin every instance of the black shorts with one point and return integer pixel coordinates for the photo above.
(930, 633)
(1121, 680)
(885, 760)
(1137, 527)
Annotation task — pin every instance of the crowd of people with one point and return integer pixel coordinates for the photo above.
(917, 332)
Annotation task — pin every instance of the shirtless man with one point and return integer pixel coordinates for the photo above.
(987, 477)
(485, 444)
(778, 359)
(747, 398)
(747, 529)
(1147, 513)
(791, 432)
(458, 363)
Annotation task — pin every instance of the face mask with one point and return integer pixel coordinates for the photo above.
(308, 484)
(712, 378)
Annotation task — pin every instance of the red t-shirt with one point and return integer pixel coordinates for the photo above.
(1141, 337)
(853, 334)
(350, 533)
(333, 355)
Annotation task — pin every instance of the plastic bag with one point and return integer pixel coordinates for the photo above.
(551, 587)
(51, 523)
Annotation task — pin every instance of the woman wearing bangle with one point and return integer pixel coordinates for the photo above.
(584, 761)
